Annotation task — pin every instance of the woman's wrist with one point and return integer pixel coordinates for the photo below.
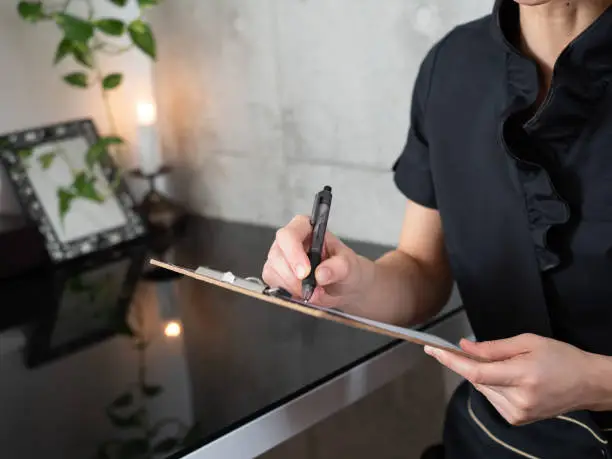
(365, 281)
(598, 378)
(381, 289)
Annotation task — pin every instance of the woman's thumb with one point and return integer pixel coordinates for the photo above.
(332, 270)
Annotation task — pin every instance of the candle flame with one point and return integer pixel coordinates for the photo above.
(146, 113)
(173, 329)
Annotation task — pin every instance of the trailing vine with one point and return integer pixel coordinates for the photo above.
(84, 39)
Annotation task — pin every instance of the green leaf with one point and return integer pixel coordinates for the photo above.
(119, 2)
(82, 53)
(31, 11)
(84, 187)
(151, 391)
(97, 151)
(123, 422)
(75, 28)
(63, 49)
(78, 79)
(113, 27)
(94, 155)
(46, 160)
(65, 198)
(25, 154)
(166, 445)
(112, 81)
(134, 448)
(111, 140)
(123, 401)
(142, 36)
(147, 3)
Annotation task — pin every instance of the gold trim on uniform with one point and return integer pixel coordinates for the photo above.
(591, 431)
(493, 437)
(514, 449)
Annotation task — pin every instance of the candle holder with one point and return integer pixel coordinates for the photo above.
(162, 214)
(166, 221)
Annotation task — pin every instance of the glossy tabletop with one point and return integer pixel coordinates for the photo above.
(99, 360)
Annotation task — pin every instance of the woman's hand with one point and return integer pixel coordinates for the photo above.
(529, 378)
(341, 277)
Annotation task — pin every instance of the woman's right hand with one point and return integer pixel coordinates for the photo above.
(342, 276)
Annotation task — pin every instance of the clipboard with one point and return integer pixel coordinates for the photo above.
(255, 288)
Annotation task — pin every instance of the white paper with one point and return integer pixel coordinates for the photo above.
(407, 332)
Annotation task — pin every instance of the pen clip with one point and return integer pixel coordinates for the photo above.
(315, 210)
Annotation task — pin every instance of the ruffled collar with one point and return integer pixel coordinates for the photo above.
(584, 66)
(535, 144)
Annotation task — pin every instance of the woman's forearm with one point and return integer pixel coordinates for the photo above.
(401, 291)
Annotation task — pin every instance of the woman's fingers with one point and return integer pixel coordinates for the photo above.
(290, 240)
(278, 273)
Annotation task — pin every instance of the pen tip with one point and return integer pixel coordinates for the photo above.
(307, 292)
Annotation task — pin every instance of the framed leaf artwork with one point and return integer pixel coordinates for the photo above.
(68, 184)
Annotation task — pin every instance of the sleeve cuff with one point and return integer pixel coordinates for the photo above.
(413, 178)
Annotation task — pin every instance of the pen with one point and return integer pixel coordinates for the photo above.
(318, 220)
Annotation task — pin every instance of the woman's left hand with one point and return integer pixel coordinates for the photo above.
(528, 378)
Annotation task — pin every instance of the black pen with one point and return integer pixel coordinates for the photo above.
(318, 220)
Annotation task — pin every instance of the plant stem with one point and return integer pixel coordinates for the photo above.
(109, 49)
(104, 94)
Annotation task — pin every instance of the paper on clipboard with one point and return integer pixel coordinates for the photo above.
(246, 287)
(426, 338)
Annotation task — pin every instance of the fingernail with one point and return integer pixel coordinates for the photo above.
(431, 351)
(300, 271)
(323, 275)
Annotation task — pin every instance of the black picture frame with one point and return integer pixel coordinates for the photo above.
(58, 250)
(42, 346)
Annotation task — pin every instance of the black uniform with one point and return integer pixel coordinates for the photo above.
(526, 206)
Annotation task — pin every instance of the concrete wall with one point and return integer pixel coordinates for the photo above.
(33, 94)
(266, 101)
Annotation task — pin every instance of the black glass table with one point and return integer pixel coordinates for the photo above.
(106, 359)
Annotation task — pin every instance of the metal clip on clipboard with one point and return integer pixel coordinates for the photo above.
(252, 284)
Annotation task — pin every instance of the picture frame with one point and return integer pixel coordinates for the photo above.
(78, 319)
(88, 227)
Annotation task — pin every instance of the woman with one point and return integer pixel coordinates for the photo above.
(508, 174)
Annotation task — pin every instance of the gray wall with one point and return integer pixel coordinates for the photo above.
(265, 101)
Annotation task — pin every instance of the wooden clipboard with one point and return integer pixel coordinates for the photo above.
(405, 334)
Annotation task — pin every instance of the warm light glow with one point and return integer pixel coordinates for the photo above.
(173, 329)
(146, 113)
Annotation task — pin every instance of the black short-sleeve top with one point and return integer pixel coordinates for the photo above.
(524, 192)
